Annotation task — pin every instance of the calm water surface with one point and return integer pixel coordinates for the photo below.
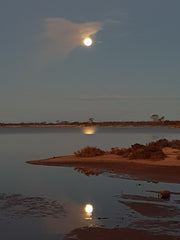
(39, 202)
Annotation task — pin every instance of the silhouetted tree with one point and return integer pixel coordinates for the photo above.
(91, 120)
(161, 119)
(155, 118)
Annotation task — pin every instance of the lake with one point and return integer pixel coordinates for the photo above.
(41, 202)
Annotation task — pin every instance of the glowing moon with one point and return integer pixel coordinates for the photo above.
(88, 208)
(88, 42)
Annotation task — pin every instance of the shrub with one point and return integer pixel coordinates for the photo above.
(159, 144)
(89, 152)
(152, 150)
(175, 144)
(117, 151)
(137, 146)
(139, 151)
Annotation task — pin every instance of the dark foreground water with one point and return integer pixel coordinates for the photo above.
(43, 203)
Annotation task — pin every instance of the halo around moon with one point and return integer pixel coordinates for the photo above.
(87, 41)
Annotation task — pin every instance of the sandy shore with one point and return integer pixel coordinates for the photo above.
(115, 234)
(167, 170)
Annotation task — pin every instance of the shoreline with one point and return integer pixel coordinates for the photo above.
(168, 124)
(167, 170)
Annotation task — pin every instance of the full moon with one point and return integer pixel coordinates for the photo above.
(87, 42)
(88, 208)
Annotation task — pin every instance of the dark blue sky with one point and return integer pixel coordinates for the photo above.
(131, 71)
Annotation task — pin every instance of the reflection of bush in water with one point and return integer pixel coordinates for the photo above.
(152, 150)
(16, 205)
(88, 171)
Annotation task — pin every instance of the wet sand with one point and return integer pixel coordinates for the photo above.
(167, 170)
(153, 210)
(115, 234)
(155, 215)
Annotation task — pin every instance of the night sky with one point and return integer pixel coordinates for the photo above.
(129, 73)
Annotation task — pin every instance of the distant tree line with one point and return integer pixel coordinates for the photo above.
(157, 121)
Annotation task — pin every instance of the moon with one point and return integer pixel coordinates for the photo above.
(88, 42)
(88, 208)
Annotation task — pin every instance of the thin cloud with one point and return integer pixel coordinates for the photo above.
(113, 21)
(115, 98)
(61, 36)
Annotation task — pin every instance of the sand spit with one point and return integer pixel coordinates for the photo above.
(170, 160)
(166, 170)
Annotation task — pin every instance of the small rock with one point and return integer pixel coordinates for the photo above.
(165, 194)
